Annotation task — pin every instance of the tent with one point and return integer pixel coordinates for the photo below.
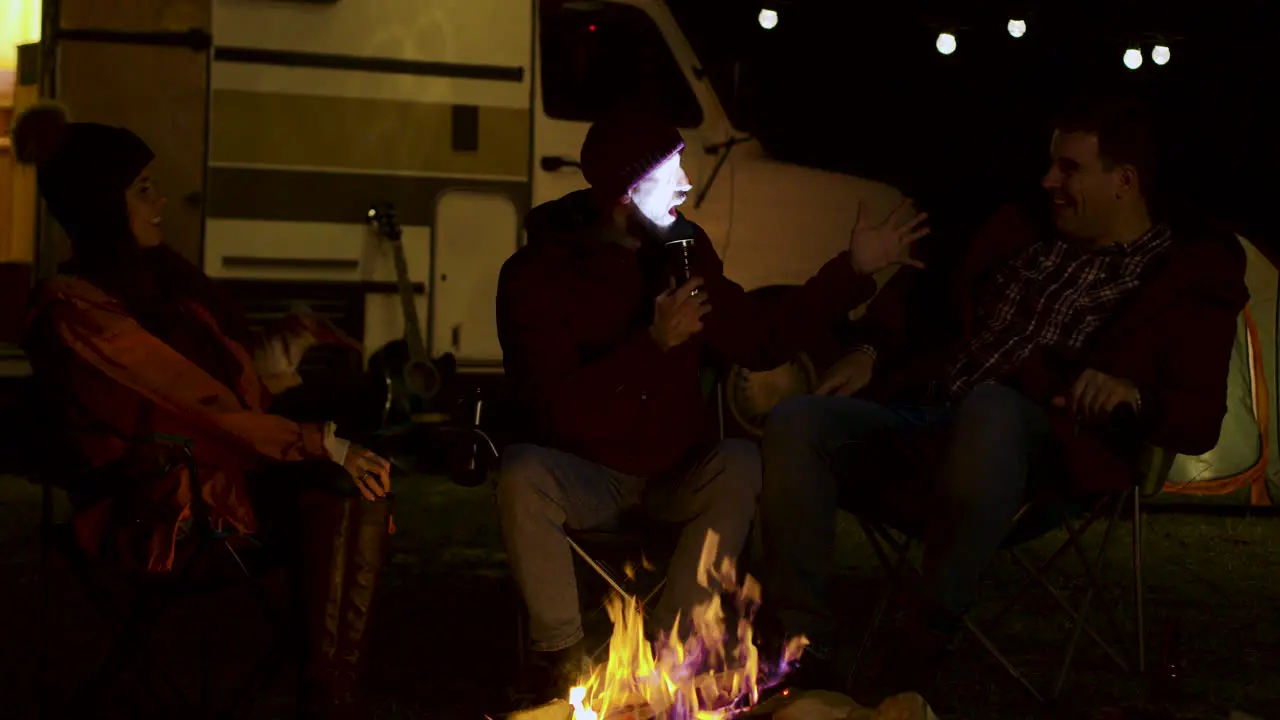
(1244, 468)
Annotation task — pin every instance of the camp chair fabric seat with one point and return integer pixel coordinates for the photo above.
(912, 459)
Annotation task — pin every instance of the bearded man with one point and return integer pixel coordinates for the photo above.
(605, 359)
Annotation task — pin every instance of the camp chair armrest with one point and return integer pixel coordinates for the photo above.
(1152, 470)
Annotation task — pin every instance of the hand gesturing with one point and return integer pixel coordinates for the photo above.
(873, 247)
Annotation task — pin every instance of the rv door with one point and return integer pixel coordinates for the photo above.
(597, 57)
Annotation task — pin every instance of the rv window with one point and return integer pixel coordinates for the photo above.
(598, 57)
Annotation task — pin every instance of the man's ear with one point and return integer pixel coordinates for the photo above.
(624, 200)
(1126, 179)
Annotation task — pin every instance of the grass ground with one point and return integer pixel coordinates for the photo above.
(445, 644)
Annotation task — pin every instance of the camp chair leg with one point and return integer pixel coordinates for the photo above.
(46, 596)
(644, 603)
(654, 592)
(204, 657)
(1095, 587)
(1038, 579)
(1093, 570)
(521, 625)
(999, 656)
(1137, 580)
(876, 535)
(882, 604)
(268, 666)
(608, 577)
(206, 687)
(1038, 574)
(128, 638)
(596, 566)
(893, 575)
(879, 537)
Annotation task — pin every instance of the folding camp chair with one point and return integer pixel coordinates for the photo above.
(1035, 520)
(617, 558)
(134, 619)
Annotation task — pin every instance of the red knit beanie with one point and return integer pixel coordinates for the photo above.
(621, 151)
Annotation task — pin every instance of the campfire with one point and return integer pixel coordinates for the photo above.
(711, 675)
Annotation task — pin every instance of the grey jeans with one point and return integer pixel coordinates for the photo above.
(541, 491)
(1001, 450)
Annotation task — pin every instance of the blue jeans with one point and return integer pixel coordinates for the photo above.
(999, 452)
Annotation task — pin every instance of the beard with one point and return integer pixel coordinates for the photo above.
(659, 219)
(660, 229)
(642, 227)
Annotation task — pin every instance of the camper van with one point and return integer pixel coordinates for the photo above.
(278, 123)
(464, 114)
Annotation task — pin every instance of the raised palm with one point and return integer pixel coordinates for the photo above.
(875, 246)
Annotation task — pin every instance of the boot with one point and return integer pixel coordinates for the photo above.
(547, 676)
(345, 541)
(367, 554)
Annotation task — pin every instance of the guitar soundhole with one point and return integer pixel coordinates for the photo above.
(422, 379)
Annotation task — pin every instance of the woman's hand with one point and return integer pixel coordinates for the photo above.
(371, 473)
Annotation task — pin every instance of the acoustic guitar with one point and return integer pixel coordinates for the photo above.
(409, 379)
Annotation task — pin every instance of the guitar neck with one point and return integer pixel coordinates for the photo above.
(408, 306)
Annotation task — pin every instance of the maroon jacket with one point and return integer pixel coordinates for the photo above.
(574, 311)
(1173, 338)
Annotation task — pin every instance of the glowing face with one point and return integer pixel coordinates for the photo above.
(658, 195)
(144, 204)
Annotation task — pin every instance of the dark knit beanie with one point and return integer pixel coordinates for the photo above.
(621, 151)
(83, 169)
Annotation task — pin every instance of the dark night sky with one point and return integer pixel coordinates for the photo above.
(859, 87)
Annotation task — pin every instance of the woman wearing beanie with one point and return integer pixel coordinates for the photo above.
(131, 341)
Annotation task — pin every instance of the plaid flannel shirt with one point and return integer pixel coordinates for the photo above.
(1054, 294)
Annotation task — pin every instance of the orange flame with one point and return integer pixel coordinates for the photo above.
(705, 677)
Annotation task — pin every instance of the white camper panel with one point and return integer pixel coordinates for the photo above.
(320, 110)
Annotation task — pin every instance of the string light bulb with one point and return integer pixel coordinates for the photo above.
(1160, 54)
(946, 43)
(768, 19)
(1017, 28)
(1133, 58)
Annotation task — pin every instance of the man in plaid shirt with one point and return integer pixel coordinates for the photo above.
(1056, 294)
(957, 412)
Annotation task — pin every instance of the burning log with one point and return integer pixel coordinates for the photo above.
(711, 675)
